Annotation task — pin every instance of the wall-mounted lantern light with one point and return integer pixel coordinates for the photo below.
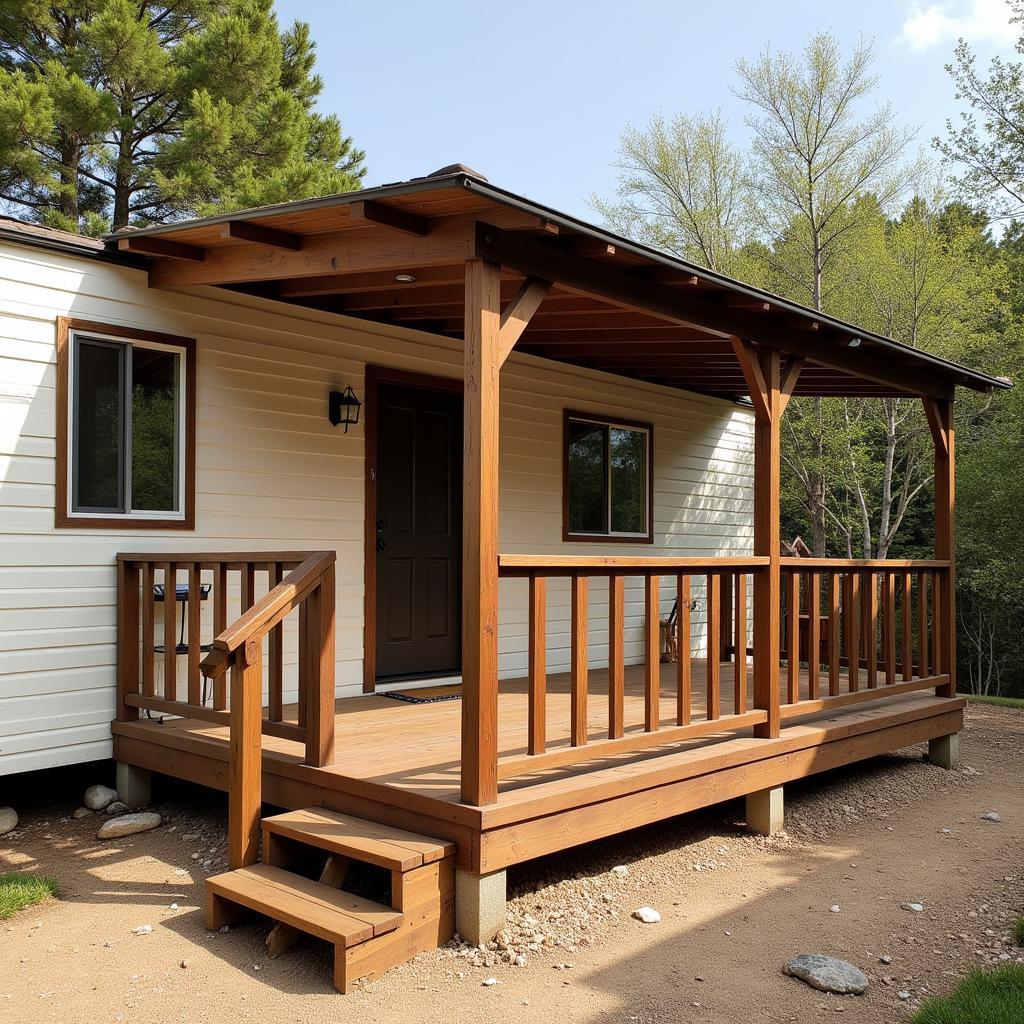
(343, 407)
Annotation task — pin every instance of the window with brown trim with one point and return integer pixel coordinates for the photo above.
(125, 427)
(607, 478)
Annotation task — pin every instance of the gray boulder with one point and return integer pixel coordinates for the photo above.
(116, 808)
(8, 820)
(827, 974)
(98, 797)
(128, 825)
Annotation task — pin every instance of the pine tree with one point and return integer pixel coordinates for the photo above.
(115, 112)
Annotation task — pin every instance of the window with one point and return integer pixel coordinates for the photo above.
(607, 478)
(126, 444)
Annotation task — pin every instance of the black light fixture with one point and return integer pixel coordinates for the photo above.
(343, 407)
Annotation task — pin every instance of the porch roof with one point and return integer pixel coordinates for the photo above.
(396, 254)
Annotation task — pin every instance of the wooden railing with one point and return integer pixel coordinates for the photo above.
(712, 575)
(226, 686)
(878, 631)
(857, 629)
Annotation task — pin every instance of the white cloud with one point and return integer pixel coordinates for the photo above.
(978, 21)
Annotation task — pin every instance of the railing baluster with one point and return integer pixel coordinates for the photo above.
(537, 737)
(127, 638)
(275, 650)
(922, 625)
(792, 588)
(851, 620)
(714, 661)
(908, 630)
(220, 623)
(194, 634)
(320, 687)
(740, 665)
(936, 623)
(813, 634)
(652, 654)
(170, 631)
(833, 633)
(578, 701)
(684, 678)
(616, 655)
(871, 636)
(890, 628)
(302, 680)
(148, 631)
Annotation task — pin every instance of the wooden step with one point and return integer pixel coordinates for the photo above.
(314, 908)
(383, 845)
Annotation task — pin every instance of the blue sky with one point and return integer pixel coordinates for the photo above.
(534, 94)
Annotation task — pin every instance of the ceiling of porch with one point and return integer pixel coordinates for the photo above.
(396, 255)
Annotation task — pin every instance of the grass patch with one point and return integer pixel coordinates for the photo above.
(20, 889)
(993, 997)
(1001, 702)
(1018, 931)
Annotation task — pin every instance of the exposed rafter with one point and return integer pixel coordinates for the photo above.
(246, 231)
(390, 217)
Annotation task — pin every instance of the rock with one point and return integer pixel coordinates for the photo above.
(648, 915)
(885, 959)
(8, 820)
(82, 812)
(828, 974)
(620, 871)
(116, 808)
(835, 908)
(915, 907)
(488, 982)
(904, 994)
(142, 929)
(991, 816)
(98, 797)
(128, 825)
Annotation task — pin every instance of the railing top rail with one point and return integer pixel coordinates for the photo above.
(880, 564)
(214, 556)
(265, 613)
(599, 565)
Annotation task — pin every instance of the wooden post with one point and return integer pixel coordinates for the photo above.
(127, 638)
(245, 766)
(537, 742)
(940, 420)
(616, 656)
(481, 367)
(652, 655)
(320, 672)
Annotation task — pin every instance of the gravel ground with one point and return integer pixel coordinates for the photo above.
(734, 908)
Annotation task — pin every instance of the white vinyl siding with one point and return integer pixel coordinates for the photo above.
(271, 473)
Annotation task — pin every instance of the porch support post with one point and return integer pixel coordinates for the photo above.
(134, 786)
(480, 902)
(482, 364)
(766, 811)
(762, 369)
(940, 419)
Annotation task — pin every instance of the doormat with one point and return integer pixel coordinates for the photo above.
(427, 694)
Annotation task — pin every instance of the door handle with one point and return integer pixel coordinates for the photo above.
(381, 543)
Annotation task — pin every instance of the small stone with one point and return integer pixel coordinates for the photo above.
(903, 994)
(173, 906)
(827, 974)
(648, 915)
(885, 959)
(8, 820)
(183, 965)
(128, 825)
(488, 982)
(116, 808)
(98, 797)
(82, 812)
(835, 908)
(991, 816)
(620, 871)
(224, 929)
(914, 907)
(142, 929)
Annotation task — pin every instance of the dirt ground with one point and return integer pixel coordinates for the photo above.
(734, 908)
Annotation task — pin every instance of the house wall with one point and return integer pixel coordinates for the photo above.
(272, 473)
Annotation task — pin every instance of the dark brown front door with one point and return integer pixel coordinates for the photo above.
(419, 531)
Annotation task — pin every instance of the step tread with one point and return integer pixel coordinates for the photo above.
(369, 841)
(328, 913)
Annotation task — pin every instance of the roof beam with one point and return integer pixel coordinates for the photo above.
(757, 386)
(389, 217)
(517, 314)
(247, 231)
(373, 281)
(605, 281)
(165, 247)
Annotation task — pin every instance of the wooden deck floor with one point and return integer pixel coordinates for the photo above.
(399, 762)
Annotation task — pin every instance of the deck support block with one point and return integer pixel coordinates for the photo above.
(765, 811)
(134, 786)
(479, 905)
(945, 750)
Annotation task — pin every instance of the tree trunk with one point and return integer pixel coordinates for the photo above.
(123, 171)
(70, 158)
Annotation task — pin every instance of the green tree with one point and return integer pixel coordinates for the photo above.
(115, 112)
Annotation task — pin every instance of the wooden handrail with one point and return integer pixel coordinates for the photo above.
(879, 564)
(258, 620)
(630, 565)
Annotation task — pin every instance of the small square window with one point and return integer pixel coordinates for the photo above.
(127, 444)
(608, 472)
